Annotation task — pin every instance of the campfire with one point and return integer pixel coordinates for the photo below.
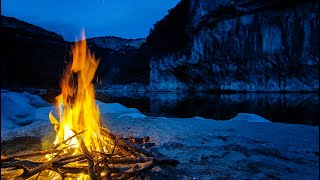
(83, 149)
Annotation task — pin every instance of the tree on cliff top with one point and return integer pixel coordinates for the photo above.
(169, 34)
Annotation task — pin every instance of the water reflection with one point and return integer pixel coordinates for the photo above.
(277, 107)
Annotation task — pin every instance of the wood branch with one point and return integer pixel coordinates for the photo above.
(146, 145)
(163, 161)
(125, 150)
(70, 159)
(139, 140)
(129, 160)
(68, 139)
(23, 164)
(38, 169)
(22, 156)
(134, 168)
(109, 134)
(89, 158)
(74, 170)
(28, 164)
(126, 143)
(138, 149)
(107, 170)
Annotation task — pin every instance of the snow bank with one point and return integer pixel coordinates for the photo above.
(23, 114)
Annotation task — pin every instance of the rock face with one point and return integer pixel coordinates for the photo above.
(115, 43)
(244, 45)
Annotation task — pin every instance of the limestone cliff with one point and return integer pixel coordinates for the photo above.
(244, 45)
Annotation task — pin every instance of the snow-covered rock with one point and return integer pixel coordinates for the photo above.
(22, 114)
(248, 117)
(200, 118)
(133, 115)
(114, 108)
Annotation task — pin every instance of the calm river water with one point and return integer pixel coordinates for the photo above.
(296, 108)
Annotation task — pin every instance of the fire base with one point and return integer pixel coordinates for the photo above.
(127, 159)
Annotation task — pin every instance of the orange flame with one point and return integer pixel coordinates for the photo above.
(77, 109)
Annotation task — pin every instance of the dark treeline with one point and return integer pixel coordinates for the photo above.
(169, 34)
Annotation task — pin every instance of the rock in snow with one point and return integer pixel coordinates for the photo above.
(206, 149)
(114, 108)
(133, 115)
(249, 118)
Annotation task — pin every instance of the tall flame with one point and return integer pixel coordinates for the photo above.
(77, 110)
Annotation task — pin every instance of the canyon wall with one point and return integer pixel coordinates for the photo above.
(244, 45)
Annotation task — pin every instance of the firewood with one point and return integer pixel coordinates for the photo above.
(28, 164)
(22, 164)
(127, 157)
(163, 161)
(158, 161)
(68, 139)
(146, 145)
(89, 158)
(139, 140)
(70, 159)
(134, 168)
(127, 169)
(74, 170)
(129, 160)
(138, 149)
(28, 173)
(39, 153)
(125, 143)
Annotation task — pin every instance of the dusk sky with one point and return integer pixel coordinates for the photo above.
(123, 18)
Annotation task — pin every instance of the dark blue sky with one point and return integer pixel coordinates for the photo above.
(123, 18)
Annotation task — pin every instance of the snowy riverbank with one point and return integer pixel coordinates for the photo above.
(248, 146)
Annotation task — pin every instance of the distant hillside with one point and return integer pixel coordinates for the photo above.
(22, 28)
(30, 55)
(115, 43)
(34, 57)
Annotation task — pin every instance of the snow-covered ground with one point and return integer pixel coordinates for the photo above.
(247, 146)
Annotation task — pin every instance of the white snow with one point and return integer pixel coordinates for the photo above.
(243, 147)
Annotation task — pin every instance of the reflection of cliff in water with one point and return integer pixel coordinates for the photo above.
(291, 108)
(277, 107)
